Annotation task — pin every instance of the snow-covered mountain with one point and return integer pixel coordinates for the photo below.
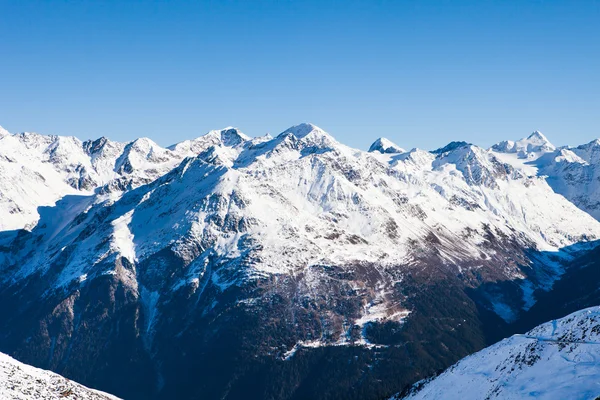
(384, 145)
(37, 170)
(571, 171)
(19, 381)
(267, 253)
(556, 360)
(528, 148)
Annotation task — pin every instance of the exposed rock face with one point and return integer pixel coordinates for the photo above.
(286, 267)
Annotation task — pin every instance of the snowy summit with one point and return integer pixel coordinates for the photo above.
(384, 145)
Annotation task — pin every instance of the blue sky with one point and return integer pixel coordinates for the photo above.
(421, 73)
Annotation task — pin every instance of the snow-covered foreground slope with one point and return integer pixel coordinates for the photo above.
(20, 381)
(557, 360)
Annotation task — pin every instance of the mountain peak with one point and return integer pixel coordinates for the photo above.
(3, 132)
(229, 136)
(450, 146)
(142, 144)
(590, 152)
(302, 130)
(593, 143)
(535, 143)
(384, 145)
(94, 146)
(539, 137)
(307, 136)
(529, 147)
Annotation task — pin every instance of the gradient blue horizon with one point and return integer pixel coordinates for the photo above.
(419, 73)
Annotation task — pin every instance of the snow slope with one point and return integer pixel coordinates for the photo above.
(20, 381)
(573, 172)
(384, 145)
(556, 360)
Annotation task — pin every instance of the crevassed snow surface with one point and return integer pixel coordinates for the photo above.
(556, 360)
(20, 381)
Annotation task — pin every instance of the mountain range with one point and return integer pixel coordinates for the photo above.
(284, 267)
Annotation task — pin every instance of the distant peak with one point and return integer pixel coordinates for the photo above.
(94, 146)
(450, 146)
(538, 136)
(506, 146)
(100, 141)
(535, 143)
(384, 145)
(229, 136)
(416, 156)
(590, 152)
(593, 143)
(531, 146)
(3, 132)
(302, 130)
(143, 142)
(142, 145)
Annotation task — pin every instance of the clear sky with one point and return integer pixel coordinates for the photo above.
(421, 73)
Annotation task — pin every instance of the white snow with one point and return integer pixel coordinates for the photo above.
(19, 381)
(122, 238)
(386, 146)
(571, 172)
(557, 360)
(530, 147)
